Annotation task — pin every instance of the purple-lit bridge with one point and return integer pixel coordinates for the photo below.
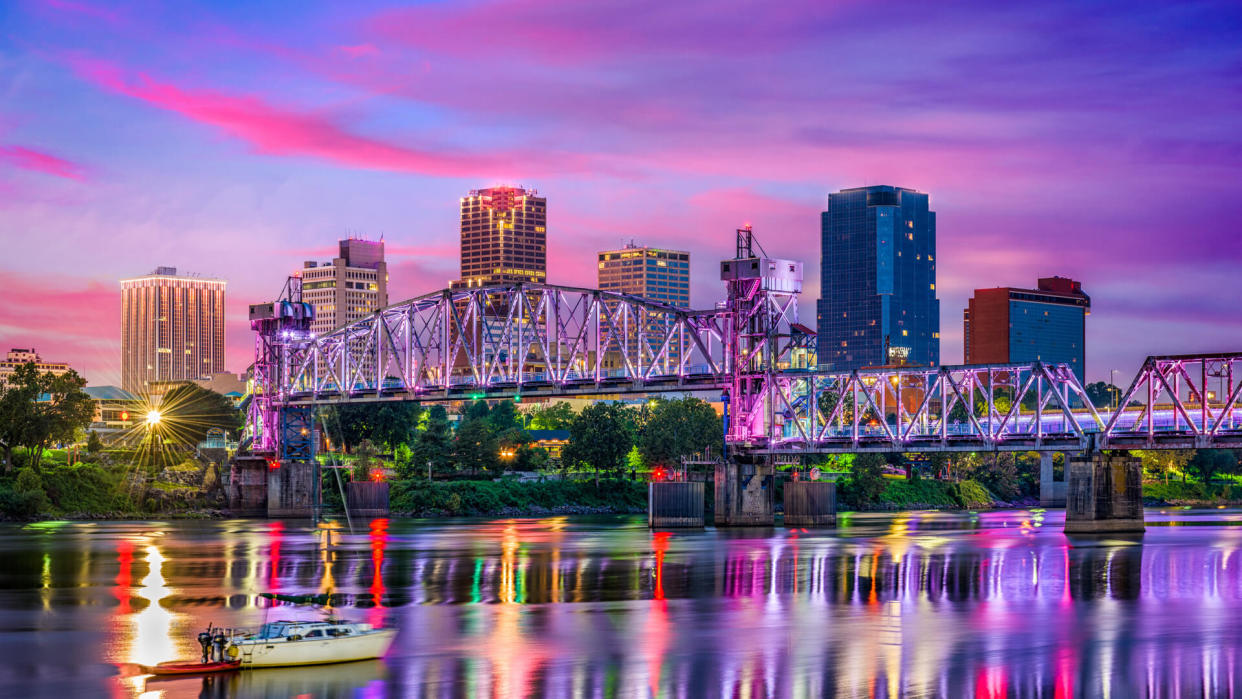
(540, 340)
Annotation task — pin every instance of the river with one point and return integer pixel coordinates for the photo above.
(907, 604)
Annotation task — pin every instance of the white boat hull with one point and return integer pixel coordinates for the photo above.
(278, 652)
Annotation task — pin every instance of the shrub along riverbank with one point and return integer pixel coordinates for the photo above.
(482, 498)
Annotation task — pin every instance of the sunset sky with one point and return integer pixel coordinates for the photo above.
(1101, 141)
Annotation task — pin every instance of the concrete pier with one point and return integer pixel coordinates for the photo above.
(810, 504)
(1104, 494)
(674, 505)
(1051, 491)
(291, 490)
(247, 489)
(367, 499)
(744, 494)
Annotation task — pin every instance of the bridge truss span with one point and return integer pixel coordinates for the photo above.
(1010, 407)
(535, 337)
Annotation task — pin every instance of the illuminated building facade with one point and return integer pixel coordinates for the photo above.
(503, 237)
(660, 275)
(878, 302)
(1046, 324)
(17, 357)
(350, 287)
(172, 329)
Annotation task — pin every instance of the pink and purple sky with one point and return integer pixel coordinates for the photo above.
(1098, 140)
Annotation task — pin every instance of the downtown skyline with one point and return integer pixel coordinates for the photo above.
(237, 142)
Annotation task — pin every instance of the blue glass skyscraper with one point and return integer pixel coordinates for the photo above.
(878, 301)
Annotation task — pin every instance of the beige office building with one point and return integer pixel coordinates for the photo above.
(350, 287)
(654, 273)
(18, 356)
(503, 237)
(172, 329)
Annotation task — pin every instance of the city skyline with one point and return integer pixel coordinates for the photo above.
(1038, 159)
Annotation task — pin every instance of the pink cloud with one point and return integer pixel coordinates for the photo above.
(38, 161)
(70, 320)
(358, 50)
(273, 130)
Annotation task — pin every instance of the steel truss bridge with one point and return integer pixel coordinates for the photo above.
(540, 340)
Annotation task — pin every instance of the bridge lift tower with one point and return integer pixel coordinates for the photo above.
(277, 478)
(762, 308)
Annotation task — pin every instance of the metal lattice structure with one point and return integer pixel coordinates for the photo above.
(1017, 407)
(535, 339)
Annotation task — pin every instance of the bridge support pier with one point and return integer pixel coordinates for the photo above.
(744, 494)
(810, 504)
(674, 505)
(291, 490)
(1051, 491)
(248, 486)
(1104, 494)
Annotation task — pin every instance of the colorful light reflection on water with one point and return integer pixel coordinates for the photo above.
(994, 604)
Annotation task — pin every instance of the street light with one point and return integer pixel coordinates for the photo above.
(153, 419)
(1112, 388)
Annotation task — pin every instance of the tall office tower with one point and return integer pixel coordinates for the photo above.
(172, 329)
(503, 237)
(878, 301)
(660, 275)
(1016, 326)
(350, 287)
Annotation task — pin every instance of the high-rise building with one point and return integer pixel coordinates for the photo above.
(1016, 326)
(503, 237)
(878, 302)
(660, 275)
(172, 329)
(17, 357)
(350, 287)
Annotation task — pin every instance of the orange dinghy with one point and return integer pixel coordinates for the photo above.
(182, 668)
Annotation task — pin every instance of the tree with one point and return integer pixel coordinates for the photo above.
(38, 410)
(1102, 394)
(188, 411)
(434, 443)
(551, 417)
(94, 444)
(475, 448)
(388, 424)
(598, 438)
(867, 479)
(503, 417)
(678, 428)
(1207, 463)
(477, 410)
(364, 461)
(1159, 462)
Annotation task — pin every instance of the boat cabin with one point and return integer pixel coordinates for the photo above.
(298, 630)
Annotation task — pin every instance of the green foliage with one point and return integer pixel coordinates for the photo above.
(384, 424)
(1102, 394)
(503, 417)
(364, 461)
(599, 438)
(475, 448)
(972, 495)
(403, 461)
(1206, 464)
(477, 498)
(905, 494)
(477, 410)
(28, 484)
(557, 416)
(866, 482)
(86, 488)
(434, 443)
(94, 444)
(38, 410)
(678, 428)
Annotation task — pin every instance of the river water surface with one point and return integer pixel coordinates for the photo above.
(910, 604)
